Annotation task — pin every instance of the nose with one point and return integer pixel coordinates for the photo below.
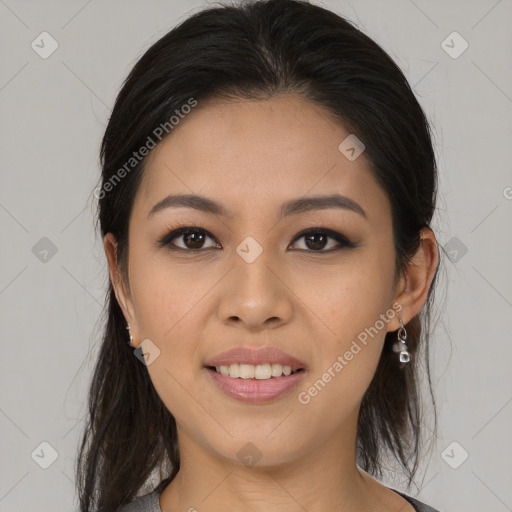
(255, 295)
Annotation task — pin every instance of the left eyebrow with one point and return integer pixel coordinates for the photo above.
(292, 207)
(310, 203)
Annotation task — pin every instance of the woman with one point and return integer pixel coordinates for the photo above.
(267, 190)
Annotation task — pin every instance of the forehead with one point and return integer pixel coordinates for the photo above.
(249, 154)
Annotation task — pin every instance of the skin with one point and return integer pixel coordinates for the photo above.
(252, 156)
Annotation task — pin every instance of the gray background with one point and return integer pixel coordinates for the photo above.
(53, 112)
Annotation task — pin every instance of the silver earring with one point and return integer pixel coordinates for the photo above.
(401, 346)
(130, 341)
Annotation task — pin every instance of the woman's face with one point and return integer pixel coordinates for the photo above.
(245, 279)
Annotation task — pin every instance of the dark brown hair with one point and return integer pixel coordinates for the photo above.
(257, 50)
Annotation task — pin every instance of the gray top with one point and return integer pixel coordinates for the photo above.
(147, 503)
(151, 503)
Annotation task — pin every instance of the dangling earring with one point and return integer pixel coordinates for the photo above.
(130, 341)
(401, 346)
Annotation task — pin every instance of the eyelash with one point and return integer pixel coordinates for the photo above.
(341, 239)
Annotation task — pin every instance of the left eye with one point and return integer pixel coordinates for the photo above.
(193, 238)
(316, 239)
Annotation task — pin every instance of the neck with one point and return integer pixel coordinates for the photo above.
(324, 478)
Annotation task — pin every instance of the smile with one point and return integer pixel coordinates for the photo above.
(253, 389)
(249, 371)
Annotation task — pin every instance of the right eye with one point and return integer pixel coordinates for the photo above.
(192, 239)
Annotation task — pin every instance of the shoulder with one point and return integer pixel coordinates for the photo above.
(419, 506)
(147, 503)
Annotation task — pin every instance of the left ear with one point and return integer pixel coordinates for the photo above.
(415, 283)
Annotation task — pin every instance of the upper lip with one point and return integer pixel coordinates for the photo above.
(255, 356)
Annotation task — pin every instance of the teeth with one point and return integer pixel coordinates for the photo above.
(246, 371)
(249, 371)
(277, 370)
(234, 370)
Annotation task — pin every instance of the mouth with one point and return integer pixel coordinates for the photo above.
(263, 371)
(260, 388)
(255, 375)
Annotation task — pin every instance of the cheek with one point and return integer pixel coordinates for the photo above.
(352, 337)
(171, 317)
(353, 306)
(168, 304)
(166, 295)
(349, 299)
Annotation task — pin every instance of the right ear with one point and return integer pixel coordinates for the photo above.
(123, 295)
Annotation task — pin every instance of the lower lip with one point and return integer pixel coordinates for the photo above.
(255, 390)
